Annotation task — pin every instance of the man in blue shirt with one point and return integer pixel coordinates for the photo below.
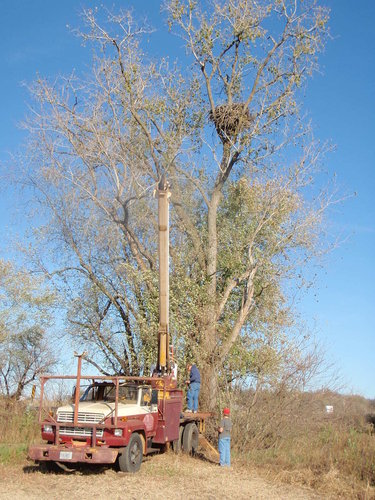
(194, 383)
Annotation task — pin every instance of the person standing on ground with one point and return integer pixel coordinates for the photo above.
(224, 438)
(194, 384)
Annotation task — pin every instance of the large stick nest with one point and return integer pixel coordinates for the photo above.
(231, 119)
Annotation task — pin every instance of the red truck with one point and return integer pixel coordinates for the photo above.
(117, 418)
(123, 418)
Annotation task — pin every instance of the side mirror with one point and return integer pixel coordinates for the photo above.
(74, 393)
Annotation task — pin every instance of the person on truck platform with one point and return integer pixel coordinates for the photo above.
(194, 386)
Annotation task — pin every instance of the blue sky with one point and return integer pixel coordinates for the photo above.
(341, 102)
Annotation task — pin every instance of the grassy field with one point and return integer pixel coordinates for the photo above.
(337, 461)
(297, 442)
(331, 455)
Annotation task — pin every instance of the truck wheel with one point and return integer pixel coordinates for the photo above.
(131, 458)
(177, 444)
(190, 438)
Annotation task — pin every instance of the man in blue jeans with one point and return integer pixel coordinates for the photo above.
(194, 383)
(224, 429)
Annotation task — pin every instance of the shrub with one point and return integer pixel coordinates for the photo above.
(18, 428)
(292, 434)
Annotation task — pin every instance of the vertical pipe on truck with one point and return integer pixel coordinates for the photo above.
(78, 385)
(42, 380)
(163, 222)
(116, 400)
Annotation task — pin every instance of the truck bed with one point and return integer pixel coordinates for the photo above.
(192, 417)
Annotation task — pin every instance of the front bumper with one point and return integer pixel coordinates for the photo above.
(86, 454)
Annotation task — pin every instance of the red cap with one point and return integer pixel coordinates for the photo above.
(226, 411)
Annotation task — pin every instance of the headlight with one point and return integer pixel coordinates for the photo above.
(117, 432)
(47, 428)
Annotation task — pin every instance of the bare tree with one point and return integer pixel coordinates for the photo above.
(226, 130)
(24, 316)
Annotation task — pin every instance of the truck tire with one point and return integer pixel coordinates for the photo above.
(131, 457)
(177, 444)
(190, 438)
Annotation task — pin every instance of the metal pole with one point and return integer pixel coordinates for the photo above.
(78, 383)
(163, 218)
(42, 381)
(116, 400)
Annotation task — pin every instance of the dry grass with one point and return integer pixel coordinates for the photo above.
(18, 428)
(160, 477)
(300, 446)
(337, 462)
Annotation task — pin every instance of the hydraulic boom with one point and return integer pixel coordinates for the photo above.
(163, 194)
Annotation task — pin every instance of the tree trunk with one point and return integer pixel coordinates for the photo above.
(209, 388)
(20, 387)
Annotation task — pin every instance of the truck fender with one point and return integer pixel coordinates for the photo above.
(136, 426)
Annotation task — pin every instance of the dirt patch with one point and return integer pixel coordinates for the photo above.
(162, 476)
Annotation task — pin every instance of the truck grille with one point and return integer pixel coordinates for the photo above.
(80, 431)
(89, 418)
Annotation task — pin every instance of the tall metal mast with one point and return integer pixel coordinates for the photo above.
(163, 217)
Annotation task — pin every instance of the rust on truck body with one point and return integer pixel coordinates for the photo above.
(72, 454)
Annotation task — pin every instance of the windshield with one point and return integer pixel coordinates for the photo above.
(127, 393)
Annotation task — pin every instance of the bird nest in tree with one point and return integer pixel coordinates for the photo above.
(230, 119)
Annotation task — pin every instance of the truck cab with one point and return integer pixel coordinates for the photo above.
(97, 406)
